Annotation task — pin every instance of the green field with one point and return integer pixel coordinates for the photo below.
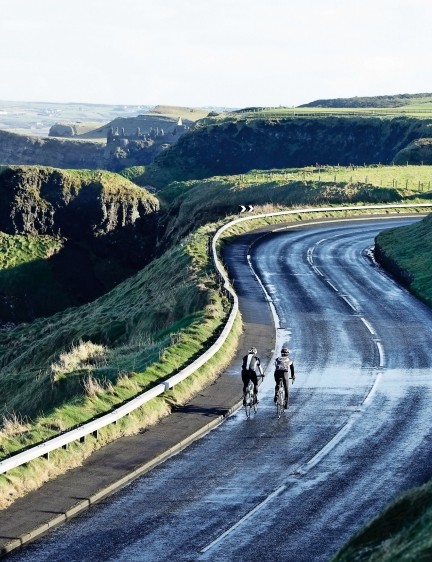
(414, 179)
(420, 111)
(196, 202)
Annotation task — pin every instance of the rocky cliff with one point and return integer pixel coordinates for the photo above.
(39, 200)
(107, 225)
(77, 154)
(21, 149)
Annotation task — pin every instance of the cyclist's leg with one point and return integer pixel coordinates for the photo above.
(277, 377)
(254, 379)
(285, 383)
(245, 379)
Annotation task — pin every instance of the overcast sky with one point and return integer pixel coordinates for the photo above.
(231, 53)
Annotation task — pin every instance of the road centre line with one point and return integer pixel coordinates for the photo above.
(349, 303)
(380, 352)
(373, 390)
(368, 326)
(244, 518)
(332, 286)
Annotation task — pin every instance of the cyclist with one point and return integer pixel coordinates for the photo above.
(251, 363)
(284, 365)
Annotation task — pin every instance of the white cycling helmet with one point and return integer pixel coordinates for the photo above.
(253, 350)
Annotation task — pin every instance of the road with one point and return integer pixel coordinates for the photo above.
(358, 431)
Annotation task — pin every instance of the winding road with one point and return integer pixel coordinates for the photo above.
(357, 433)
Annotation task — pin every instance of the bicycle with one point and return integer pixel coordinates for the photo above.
(249, 400)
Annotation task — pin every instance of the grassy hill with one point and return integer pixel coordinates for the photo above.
(408, 253)
(403, 532)
(237, 144)
(194, 202)
(397, 100)
(58, 372)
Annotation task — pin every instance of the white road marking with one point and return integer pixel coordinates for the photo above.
(245, 518)
(326, 449)
(332, 286)
(341, 433)
(381, 353)
(349, 303)
(373, 390)
(368, 326)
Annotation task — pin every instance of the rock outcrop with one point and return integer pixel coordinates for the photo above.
(62, 130)
(417, 152)
(20, 149)
(78, 204)
(107, 227)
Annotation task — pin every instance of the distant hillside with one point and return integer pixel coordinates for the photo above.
(71, 128)
(36, 118)
(397, 100)
(230, 147)
(81, 151)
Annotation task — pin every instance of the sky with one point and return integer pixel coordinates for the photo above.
(212, 53)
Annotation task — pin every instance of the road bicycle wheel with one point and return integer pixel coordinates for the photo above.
(249, 400)
(280, 400)
(255, 406)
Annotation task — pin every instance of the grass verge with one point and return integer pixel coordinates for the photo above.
(403, 532)
(407, 251)
(24, 479)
